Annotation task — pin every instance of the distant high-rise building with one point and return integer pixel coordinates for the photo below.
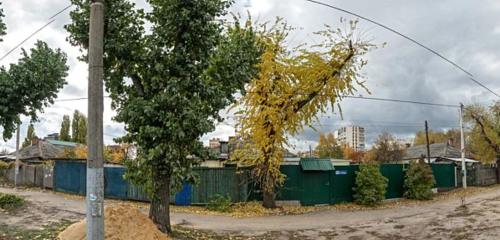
(352, 136)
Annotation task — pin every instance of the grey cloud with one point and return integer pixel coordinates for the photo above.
(465, 31)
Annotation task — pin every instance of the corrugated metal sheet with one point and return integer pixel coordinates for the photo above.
(223, 181)
(343, 179)
(396, 175)
(316, 164)
(115, 185)
(444, 174)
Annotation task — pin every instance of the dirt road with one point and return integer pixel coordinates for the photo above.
(480, 219)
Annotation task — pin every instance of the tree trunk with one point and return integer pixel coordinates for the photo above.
(268, 199)
(159, 210)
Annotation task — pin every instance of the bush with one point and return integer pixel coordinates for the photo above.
(4, 165)
(370, 185)
(219, 203)
(9, 201)
(419, 181)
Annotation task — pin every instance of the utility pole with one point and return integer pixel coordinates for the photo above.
(427, 140)
(16, 171)
(95, 163)
(462, 147)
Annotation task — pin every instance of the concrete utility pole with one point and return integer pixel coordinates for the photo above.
(95, 170)
(462, 146)
(16, 171)
(427, 140)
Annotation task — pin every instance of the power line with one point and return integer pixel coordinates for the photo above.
(471, 76)
(35, 32)
(74, 99)
(403, 101)
(26, 39)
(385, 100)
(62, 10)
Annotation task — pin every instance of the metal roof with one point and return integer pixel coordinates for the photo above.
(62, 143)
(437, 150)
(312, 164)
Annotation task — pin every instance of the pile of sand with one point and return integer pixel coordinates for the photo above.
(120, 223)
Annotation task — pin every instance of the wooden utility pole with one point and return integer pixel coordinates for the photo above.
(427, 141)
(95, 163)
(18, 163)
(462, 147)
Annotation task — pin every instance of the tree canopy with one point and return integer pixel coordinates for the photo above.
(484, 138)
(30, 135)
(3, 28)
(64, 134)
(31, 84)
(328, 147)
(438, 137)
(385, 150)
(168, 84)
(79, 127)
(293, 85)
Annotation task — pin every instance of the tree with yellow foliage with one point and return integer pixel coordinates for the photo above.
(484, 137)
(351, 154)
(328, 147)
(293, 85)
(438, 137)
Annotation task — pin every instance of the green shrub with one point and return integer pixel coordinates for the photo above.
(219, 203)
(4, 165)
(9, 201)
(419, 181)
(370, 185)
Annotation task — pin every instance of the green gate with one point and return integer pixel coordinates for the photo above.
(291, 189)
(396, 176)
(316, 185)
(343, 179)
(444, 174)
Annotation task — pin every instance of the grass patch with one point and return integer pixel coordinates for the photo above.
(219, 203)
(10, 201)
(47, 232)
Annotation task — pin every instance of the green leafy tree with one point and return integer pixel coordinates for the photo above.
(328, 147)
(168, 84)
(3, 28)
(79, 127)
(419, 181)
(370, 185)
(81, 136)
(74, 125)
(30, 135)
(64, 132)
(30, 85)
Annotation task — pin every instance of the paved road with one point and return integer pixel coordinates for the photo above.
(440, 220)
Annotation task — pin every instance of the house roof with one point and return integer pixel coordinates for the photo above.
(442, 150)
(316, 164)
(49, 149)
(43, 150)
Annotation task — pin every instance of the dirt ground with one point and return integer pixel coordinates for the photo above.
(478, 219)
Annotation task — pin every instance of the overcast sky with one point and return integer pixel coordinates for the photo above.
(464, 31)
